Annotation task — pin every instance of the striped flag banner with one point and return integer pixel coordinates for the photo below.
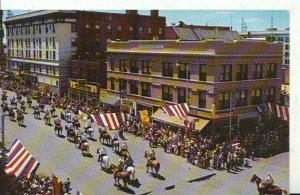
(110, 120)
(20, 162)
(180, 110)
(282, 112)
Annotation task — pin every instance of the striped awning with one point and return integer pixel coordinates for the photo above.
(20, 162)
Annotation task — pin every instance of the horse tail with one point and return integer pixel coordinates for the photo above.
(158, 167)
(284, 191)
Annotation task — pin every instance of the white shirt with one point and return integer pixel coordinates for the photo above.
(152, 155)
(115, 136)
(124, 146)
(103, 151)
(269, 180)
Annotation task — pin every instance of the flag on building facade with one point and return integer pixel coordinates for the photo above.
(82, 116)
(282, 112)
(180, 110)
(110, 120)
(145, 119)
(56, 185)
(20, 162)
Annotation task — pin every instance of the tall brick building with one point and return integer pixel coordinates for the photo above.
(2, 56)
(94, 29)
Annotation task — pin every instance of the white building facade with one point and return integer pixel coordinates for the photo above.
(42, 41)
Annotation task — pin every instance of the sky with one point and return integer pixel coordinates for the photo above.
(254, 19)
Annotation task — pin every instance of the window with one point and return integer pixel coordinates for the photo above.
(53, 42)
(256, 96)
(160, 31)
(47, 69)
(123, 85)
(149, 31)
(146, 67)
(167, 93)
(33, 41)
(271, 95)
(40, 67)
(167, 69)
(131, 29)
(47, 55)
(202, 72)
(286, 61)
(133, 87)
(287, 54)
(280, 39)
(146, 89)
(224, 100)
(241, 98)
(287, 39)
(202, 99)
(97, 27)
(140, 30)
(97, 53)
(242, 72)
(287, 47)
(34, 54)
(73, 41)
(225, 72)
(40, 29)
(73, 27)
(54, 56)
(97, 41)
(46, 28)
(119, 28)
(54, 72)
(133, 66)
(53, 28)
(258, 71)
(112, 83)
(33, 29)
(123, 64)
(183, 71)
(271, 73)
(40, 52)
(181, 95)
(40, 43)
(109, 28)
(87, 26)
(47, 42)
(112, 63)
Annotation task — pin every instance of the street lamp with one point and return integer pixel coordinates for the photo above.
(230, 110)
(187, 80)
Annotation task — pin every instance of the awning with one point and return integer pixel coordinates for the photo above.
(161, 116)
(111, 100)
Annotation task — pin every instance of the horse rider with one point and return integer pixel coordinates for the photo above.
(120, 167)
(115, 137)
(124, 146)
(69, 126)
(76, 118)
(102, 152)
(57, 121)
(152, 157)
(83, 140)
(129, 162)
(268, 182)
(102, 130)
(88, 125)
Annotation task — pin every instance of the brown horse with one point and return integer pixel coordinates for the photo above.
(154, 164)
(124, 154)
(85, 147)
(124, 175)
(76, 124)
(58, 128)
(104, 136)
(116, 146)
(20, 119)
(47, 119)
(275, 190)
(71, 134)
(12, 115)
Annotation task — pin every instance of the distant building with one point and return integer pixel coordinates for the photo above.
(2, 54)
(273, 34)
(215, 77)
(39, 45)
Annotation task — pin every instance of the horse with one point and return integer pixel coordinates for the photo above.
(58, 127)
(20, 119)
(76, 124)
(90, 132)
(29, 102)
(124, 175)
(12, 115)
(36, 113)
(14, 104)
(85, 147)
(132, 171)
(154, 164)
(68, 116)
(116, 145)
(275, 190)
(104, 136)
(71, 134)
(47, 119)
(23, 107)
(52, 111)
(124, 154)
(104, 161)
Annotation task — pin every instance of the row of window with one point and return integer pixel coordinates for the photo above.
(119, 29)
(34, 29)
(223, 97)
(50, 55)
(35, 67)
(282, 39)
(36, 42)
(184, 70)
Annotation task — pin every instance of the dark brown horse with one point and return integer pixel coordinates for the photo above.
(71, 134)
(116, 146)
(104, 136)
(124, 175)
(275, 190)
(154, 164)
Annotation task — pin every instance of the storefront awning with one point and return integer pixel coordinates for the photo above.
(161, 116)
(111, 100)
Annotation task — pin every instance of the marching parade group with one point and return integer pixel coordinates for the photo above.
(201, 150)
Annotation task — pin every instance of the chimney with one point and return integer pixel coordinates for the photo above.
(131, 12)
(154, 13)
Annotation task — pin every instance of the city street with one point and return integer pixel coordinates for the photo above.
(60, 157)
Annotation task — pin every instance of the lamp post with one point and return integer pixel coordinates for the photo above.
(230, 112)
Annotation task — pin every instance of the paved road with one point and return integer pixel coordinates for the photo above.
(61, 157)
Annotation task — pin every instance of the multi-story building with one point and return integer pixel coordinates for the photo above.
(39, 45)
(94, 29)
(2, 55)
(215, 77)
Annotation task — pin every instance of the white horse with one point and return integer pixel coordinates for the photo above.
(68, 116)
(131, 170)
(105, 162)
